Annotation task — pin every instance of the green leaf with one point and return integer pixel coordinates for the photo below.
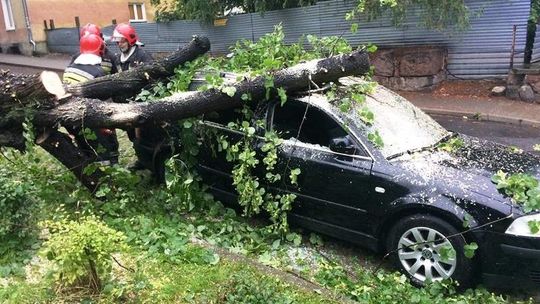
(294, 176)
(315, 239)
(372, 48)
(354, 27)
(358, 97)
(89, 134)
(534, 226)
(229, 91)
(282, 95)
(103, 191)
(470, 249)
(467, 219)
(188, 124)
(245, 97)
(345, 105)
(188, 180)
(447, 253)
(376, 139)
(367, 116)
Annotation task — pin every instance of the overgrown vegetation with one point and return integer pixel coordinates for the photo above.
(158, 244)
(436, 15)
(453, 15)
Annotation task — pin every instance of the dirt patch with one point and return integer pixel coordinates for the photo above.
(466, 88)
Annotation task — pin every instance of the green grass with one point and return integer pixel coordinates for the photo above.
(152, 281)
(165, 266)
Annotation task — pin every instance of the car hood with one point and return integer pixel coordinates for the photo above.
(470, 168)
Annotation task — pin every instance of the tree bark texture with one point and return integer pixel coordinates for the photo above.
(62, 148)
(95, 113)
(21, 95)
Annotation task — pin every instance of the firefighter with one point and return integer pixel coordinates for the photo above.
(149, 141)
(131, 54)
(108, 59)
(102, 145)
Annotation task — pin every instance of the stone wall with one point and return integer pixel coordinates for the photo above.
(418, 68)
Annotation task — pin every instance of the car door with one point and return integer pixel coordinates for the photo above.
(335, 180)
(213, 164)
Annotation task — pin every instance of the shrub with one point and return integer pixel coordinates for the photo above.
(248, 289)
(15, 206)
(82, 251)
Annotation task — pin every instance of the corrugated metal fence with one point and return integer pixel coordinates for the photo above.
(536, 48)
(481, 52)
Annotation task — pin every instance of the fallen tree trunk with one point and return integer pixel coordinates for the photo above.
(21, 95)
(132, 81)
(95, 113)
(62, 148)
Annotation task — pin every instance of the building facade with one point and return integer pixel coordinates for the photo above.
(24, 22)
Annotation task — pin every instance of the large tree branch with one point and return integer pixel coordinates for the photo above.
(62, 148)
(132, 81)
(95, 113)
(21, 95)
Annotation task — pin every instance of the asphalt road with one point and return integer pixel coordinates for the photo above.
(524, 137)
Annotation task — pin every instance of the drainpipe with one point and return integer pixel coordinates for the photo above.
(28, 27)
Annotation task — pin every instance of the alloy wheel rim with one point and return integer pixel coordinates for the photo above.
(420, 253)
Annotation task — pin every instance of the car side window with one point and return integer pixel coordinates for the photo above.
(310, 125)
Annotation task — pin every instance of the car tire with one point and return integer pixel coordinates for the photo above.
(422, 263)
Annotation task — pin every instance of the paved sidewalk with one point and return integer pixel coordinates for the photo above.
(487, 108)
(499, 109)
(56, 62)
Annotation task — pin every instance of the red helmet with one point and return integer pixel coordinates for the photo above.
(91, 28)
(126, 31)
(92, 44)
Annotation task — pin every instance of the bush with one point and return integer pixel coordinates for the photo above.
(82, 251)
(15, 206)
(248, 289)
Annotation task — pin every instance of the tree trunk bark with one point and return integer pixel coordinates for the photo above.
(18, 96)
(62, 148)
(21, 94)
(96, 113)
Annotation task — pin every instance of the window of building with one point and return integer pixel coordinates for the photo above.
(137, 12)
(8, 15)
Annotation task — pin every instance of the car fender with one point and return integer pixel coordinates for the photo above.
(440, 206)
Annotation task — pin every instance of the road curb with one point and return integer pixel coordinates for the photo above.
(483, 116)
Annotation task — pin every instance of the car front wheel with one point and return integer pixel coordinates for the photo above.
(428, 249)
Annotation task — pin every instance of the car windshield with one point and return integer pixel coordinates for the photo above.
(401, 125)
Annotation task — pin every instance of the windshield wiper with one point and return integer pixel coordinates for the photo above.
(411, 151)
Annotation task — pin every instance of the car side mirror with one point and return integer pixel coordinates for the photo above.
(342, 145)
